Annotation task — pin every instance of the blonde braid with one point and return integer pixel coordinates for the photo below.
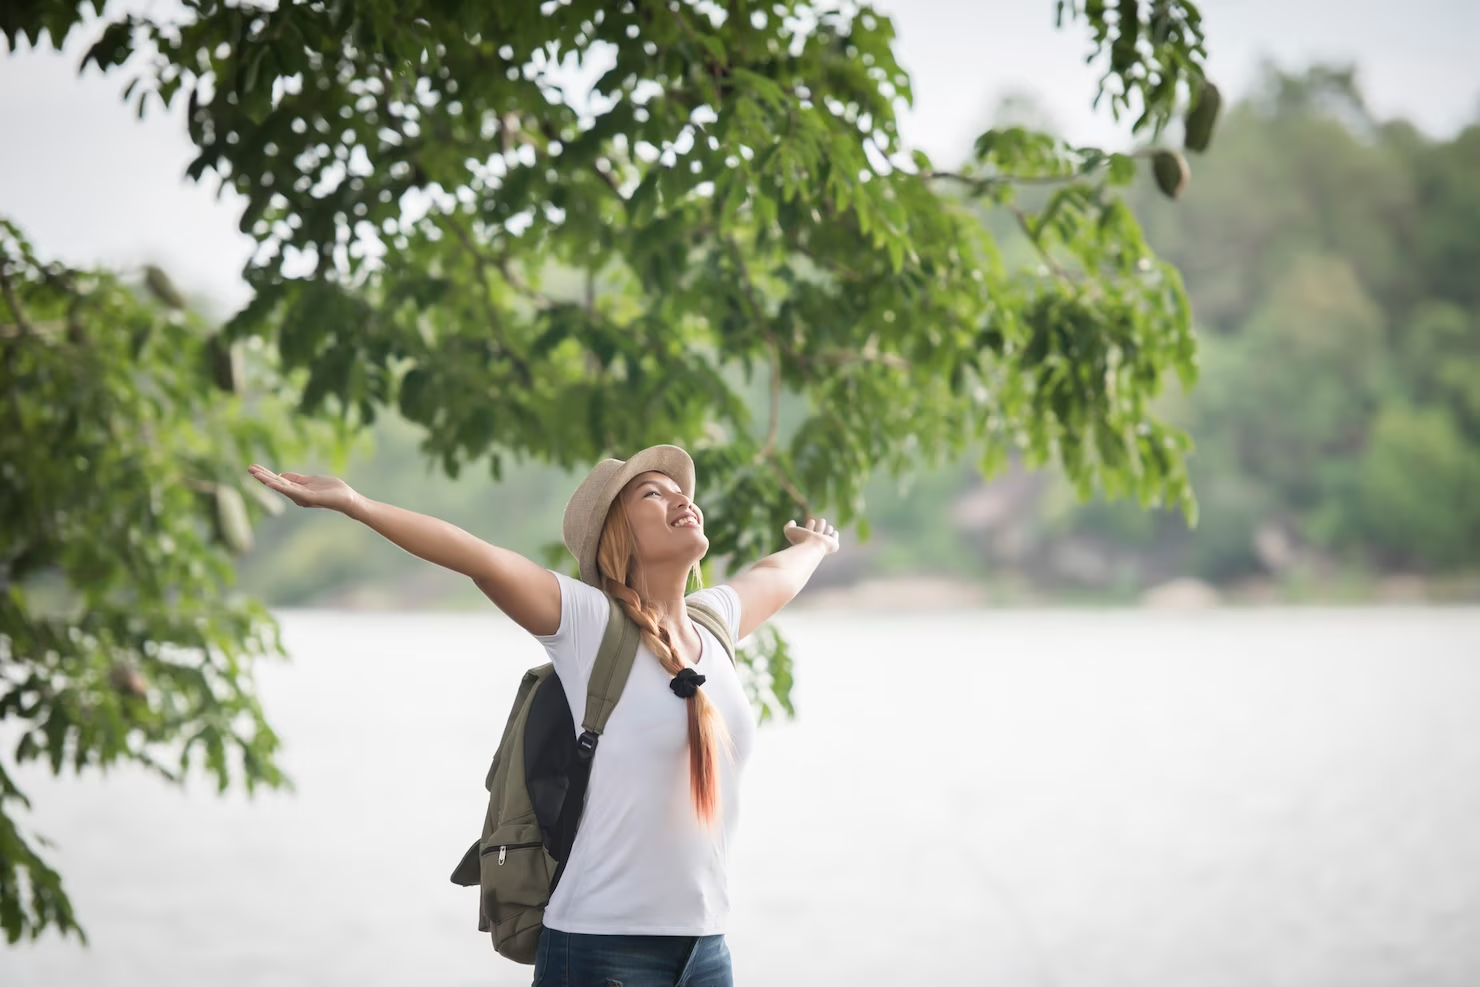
(706, 727)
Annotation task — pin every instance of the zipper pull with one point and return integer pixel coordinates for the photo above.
(502, 852)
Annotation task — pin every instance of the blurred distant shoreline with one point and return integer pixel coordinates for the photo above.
(436, 592)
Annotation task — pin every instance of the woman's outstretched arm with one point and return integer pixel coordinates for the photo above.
(771, 583)
(527, 592)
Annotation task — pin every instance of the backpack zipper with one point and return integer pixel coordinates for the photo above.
(504, 848)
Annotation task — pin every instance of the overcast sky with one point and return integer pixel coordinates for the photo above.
(89, 183)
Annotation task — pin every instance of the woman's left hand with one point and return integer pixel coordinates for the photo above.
(816, 530)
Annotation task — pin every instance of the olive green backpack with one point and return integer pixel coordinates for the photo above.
(537, 786)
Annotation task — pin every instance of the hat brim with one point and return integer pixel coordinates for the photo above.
(586, 512)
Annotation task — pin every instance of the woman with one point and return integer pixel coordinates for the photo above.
(643, 900)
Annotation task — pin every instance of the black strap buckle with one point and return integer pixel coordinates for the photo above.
(586, 745)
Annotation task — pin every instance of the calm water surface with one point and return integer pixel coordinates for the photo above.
(1045, 799)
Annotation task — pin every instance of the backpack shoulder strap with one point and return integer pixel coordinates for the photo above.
(613, 664)
(706, 616)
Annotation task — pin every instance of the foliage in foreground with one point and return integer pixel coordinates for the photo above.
(732, 192)
(122, 430)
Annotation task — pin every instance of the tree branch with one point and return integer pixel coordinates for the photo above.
(544, 132)
(773, 347)
(1027, 228)
(787, 485)
(606, 176)
(767, 452)
(869, 354)
(987, 182)
(24, 329)
(829, 264)
(770, 446)
(480, 263)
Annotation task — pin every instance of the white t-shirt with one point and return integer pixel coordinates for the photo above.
(642, 863)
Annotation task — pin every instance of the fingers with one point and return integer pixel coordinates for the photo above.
(286, 484)
(273, 481)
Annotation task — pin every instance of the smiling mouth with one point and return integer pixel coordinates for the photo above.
(687, 521)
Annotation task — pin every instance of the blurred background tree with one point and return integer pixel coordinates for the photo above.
(1330, 258)
(453, 223)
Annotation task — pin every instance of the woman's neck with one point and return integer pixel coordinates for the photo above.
(662, 590)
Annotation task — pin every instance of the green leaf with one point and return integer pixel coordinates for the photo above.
(112, 48)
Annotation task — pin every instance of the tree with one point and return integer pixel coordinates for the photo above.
(447, 226)
(122, 431)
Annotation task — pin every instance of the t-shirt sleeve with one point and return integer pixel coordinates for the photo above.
(584, 611)
(725, 600)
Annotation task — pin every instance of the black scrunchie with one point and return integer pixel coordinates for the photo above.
(685, 684)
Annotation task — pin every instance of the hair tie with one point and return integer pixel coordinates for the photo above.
(685, 684)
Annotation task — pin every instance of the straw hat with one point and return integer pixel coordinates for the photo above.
(586, 512)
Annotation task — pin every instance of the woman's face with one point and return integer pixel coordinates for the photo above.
(668, 527)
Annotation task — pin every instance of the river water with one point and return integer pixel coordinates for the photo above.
(1282, 798)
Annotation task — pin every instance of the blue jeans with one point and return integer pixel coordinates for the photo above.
(572, 959)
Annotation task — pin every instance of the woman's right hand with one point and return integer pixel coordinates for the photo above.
(308, 490)
(525, 590)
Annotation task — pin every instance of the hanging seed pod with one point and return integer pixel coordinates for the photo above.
(226, 363)
(1171, 172)
(127, 680)
(233, 529)
(162, 288)
(1202, 117)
